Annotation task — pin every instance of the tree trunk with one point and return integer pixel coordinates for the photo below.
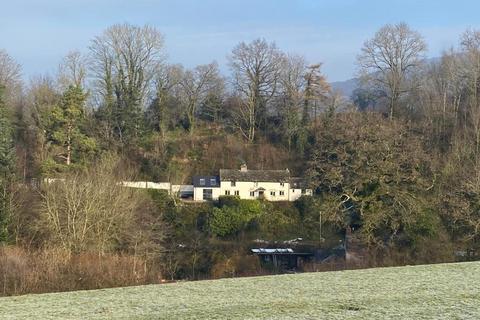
(392, 104)
(69, 145)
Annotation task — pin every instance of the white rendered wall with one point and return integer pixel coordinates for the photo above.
(198, 193)
(244, 189)
(294, 194)
(147, 185)
(176, 188)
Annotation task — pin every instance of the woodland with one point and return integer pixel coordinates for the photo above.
(396, 164)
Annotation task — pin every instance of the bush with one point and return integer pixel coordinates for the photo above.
(233, 215)
(280, 223)
(50, 270)
(237, 265)
(89, 210)
(227, 221)
(229, 201)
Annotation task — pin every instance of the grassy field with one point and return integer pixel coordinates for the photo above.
(447, 291)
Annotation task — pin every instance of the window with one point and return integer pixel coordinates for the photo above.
(272, 193)
(233, 183)
(252, 194)
(237, 193)
(256, 184)
(207, 194)
(202, 182)
(227, 192)
(293, 190)
(213, 182)
(282, 184)
(282, 193)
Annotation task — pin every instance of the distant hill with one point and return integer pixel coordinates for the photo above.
(346, 87)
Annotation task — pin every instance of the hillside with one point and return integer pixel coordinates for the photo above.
(346, 87)
(445, 291)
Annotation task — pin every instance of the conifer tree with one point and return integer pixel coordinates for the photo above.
(7, 165)
(66, 127)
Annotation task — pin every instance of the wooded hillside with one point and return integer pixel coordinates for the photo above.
(397, 163)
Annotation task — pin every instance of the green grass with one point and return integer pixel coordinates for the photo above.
(445, 291)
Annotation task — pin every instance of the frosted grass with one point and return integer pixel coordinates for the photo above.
(445, 291)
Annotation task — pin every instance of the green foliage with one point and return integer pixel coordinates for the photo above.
(279, 222)
(164, 202)
(227, 221)
(66, 132)
(212, 107)
(233, 215)
(374, 178)
(230, 201)
(7, 167)
(7, 150)
(425, 224)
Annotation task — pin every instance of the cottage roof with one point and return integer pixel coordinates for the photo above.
(298, 183)
(279, 252)
(206, 181)
(275, 250)
(255, 175)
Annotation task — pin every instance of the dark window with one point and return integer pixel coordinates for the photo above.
(282, 193)
(252, 194)
(227, 192)
(213, 182)
(237, 193)
(202, 182)
(282, 184)
(233, 183)
(272, 193)
(207, 194)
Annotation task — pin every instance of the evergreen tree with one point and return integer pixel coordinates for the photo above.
(7, 165)
(66, 132)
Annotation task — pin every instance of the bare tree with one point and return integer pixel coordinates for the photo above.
(167, 87)
(88, 210)
(256, 69)
(317, 90)
(196, 84)
(10, 77)
(470, 46)
(389, 59)
(72, 71)
(10, 71)
(101, 68)
(125, 60)
(292, 83)
(442, 91)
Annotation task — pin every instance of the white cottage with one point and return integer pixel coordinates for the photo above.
(271, 185)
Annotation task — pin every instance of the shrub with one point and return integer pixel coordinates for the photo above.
(227, 221)
(50, 270)
(229, 201)
(233, 215)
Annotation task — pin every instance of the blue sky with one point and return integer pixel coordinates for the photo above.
(38, 33)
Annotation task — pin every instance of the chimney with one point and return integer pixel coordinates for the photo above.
(243, 167)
